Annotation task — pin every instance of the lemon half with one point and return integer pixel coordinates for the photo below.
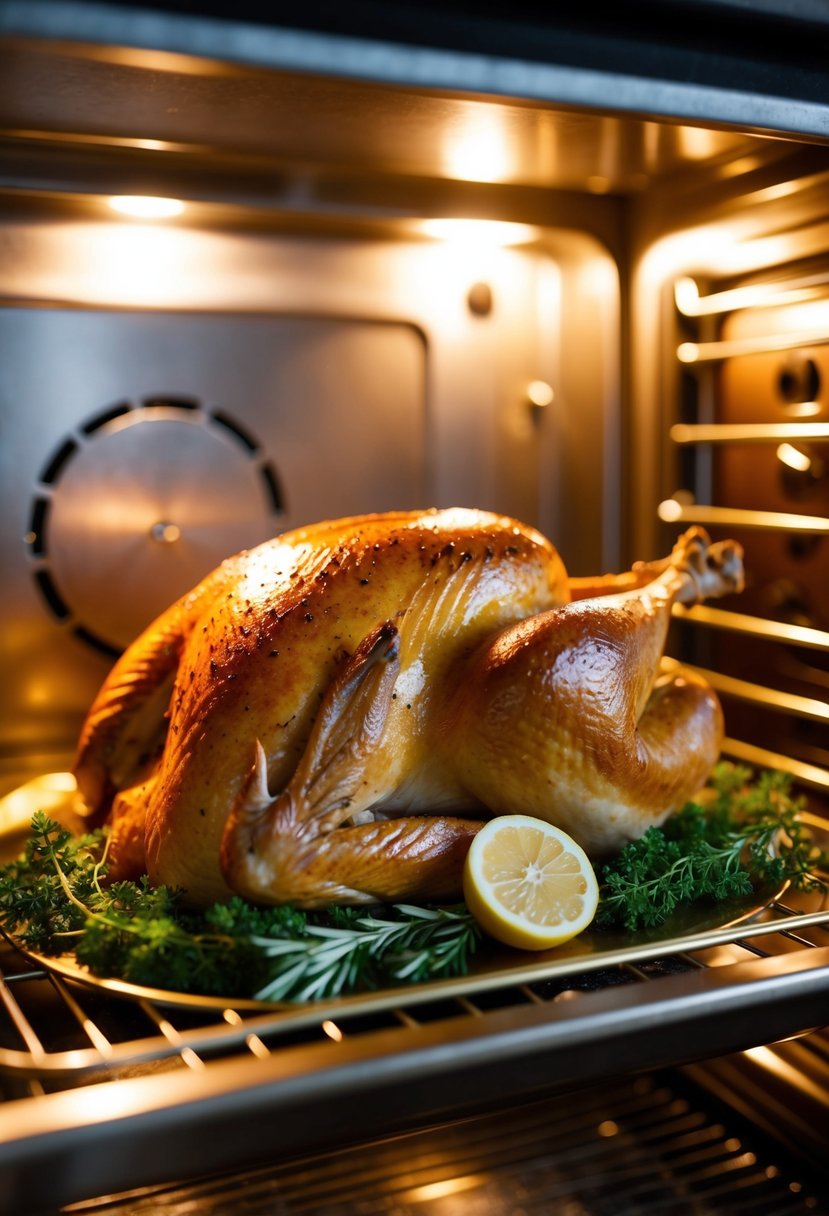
(528, 884)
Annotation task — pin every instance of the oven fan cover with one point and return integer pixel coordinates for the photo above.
(138, 505)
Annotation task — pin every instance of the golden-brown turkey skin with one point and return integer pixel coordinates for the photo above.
(601, 746)
(347, 696)
(258, 649)
(123, 733)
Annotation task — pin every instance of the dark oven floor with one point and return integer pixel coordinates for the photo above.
(657, 1143)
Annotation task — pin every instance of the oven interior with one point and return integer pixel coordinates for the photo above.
(374, 290)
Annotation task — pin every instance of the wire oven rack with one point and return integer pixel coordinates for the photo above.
(156, 1082)
(652, 1144)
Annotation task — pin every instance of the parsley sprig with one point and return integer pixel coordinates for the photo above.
(54, 899)
(743, 837)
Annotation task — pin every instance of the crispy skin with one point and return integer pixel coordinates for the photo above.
(350, 699)
(601, 738)
(255, 648)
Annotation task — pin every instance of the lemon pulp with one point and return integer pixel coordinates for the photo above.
(529, 884)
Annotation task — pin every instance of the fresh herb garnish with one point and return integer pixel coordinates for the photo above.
(745, 835)
(53, 899)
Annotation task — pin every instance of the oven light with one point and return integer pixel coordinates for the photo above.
(478, 232)
(698, 143)
(479, 148)
(146, 206)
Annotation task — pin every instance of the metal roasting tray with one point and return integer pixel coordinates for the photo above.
(155, 1076)
(703, 927)
(494, 967)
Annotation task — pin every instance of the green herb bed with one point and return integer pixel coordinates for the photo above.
(743, 835)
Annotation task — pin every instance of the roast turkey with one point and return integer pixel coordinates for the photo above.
(329, 717)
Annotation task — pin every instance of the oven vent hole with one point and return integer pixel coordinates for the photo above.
(235, 429)
(51, 594)
(36, 537)
(95, 643)
(58, 461)
(272, 487)
(108, 415)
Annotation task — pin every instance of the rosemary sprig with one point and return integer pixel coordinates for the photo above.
(423, 944)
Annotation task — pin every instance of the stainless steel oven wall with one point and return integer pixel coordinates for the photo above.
(303, 340)
(171, 394)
